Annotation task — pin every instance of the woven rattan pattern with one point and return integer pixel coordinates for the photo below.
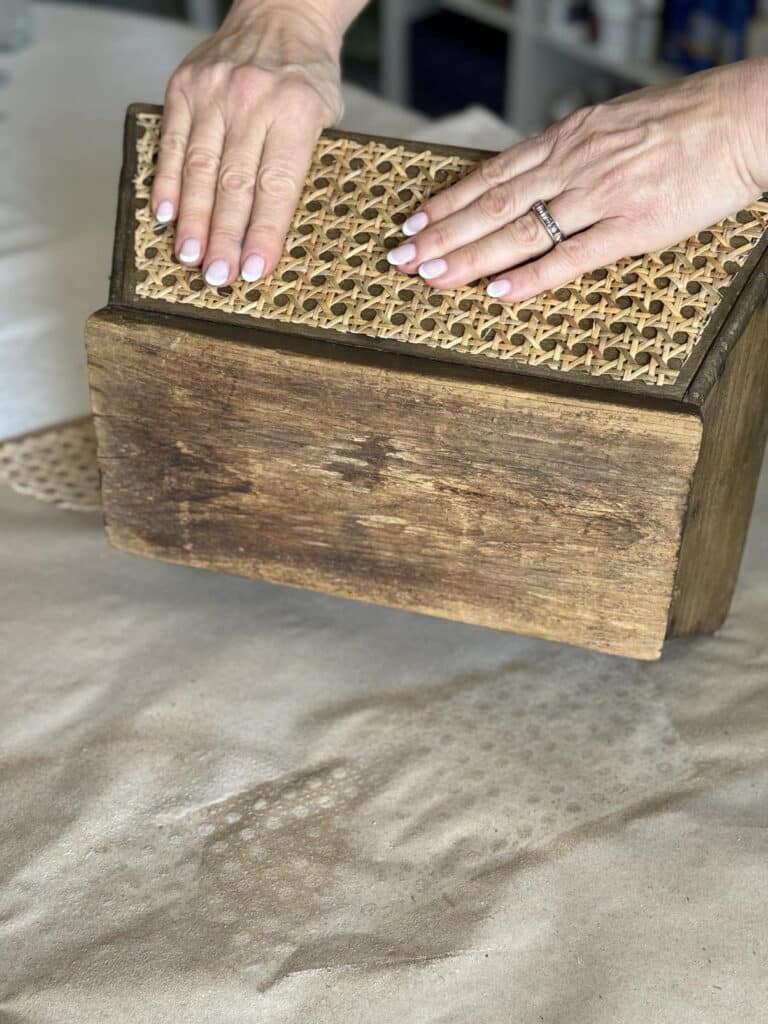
(639, 319)
(58, 465)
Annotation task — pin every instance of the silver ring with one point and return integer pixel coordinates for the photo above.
(550, 224)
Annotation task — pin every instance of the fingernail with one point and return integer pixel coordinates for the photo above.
(190, 251)
(253, 268)
(164, 212)
(415, 224)
(498, 288)
(217, 273)
(432, 268)
(402, 254)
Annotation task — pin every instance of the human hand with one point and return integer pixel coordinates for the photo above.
(242, 115)
(626, 177)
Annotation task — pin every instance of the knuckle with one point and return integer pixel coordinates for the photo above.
(437, 241)
(593, 112)
(212, 74)
(591, 146)
(173, 144)
(275, 182)
(164, 180)
(225, 236)
(177, 83)
(551, 135)
(296, 92)
(494, 171)
(651, 131)
(636, 136)
(249, 83)
(468, 266)
(192, 220)
(435, 207)
(537, 281)
(526, 231)
(201, 162)
(575, 254)
(264, 237)
(572, 123)
(234, 181)
(494, 204)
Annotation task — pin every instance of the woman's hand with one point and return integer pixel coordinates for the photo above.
(242, 115)
(626, 177)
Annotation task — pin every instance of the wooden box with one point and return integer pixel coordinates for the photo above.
(580, 467)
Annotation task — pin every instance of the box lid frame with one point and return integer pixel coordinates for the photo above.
(699, 371)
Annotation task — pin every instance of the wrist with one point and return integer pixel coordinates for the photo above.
(323, 21)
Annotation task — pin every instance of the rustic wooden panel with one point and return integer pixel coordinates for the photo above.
(735, 414)
(445, 490)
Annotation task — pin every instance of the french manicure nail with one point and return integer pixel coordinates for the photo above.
(164, 211)
(415, 224)
(498, 288)
(217, 273)
(190, 251)
(253, 268)
(402, 254)
(432, 268)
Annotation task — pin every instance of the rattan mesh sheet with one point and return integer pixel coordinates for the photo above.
(638, 320)
(58, 466)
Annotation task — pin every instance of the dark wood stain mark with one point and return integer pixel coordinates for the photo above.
(361, 461)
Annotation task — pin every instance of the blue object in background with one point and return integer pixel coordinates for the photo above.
(705, 29)
(735, 15)
(676, 31)
(455, 61)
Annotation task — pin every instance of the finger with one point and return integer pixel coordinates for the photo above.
(493, 209)
(174, 137)
(522, 239)
(198, 188)
(233, 205)
(492, 172)
(601, 245)
(285, 163)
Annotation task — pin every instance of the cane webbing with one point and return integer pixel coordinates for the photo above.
(639, 319)
(56, 465)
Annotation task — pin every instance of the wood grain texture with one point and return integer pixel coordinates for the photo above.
(735, 418)
(446, 491)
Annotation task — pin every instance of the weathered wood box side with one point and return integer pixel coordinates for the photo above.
(730, 393)
(603, 513)
(429, 487)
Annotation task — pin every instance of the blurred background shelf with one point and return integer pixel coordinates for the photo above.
(517, 57)
(630, 70)
(496, 14)
(544, 70)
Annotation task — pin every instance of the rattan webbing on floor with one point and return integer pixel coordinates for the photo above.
(638, 320)
(57, 465)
